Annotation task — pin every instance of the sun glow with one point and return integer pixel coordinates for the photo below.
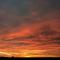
(31, 53)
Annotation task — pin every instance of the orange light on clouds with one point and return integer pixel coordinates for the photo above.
(19, 43)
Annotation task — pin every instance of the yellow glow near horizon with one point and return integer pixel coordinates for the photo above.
(31, 53)
(27, 53)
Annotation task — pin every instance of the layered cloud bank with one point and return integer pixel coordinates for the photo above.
(30, 28)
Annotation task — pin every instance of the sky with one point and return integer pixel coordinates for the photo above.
(29, 28)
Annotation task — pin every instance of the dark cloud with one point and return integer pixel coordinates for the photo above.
(10, 9)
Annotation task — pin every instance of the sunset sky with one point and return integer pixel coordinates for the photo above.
(30, 28)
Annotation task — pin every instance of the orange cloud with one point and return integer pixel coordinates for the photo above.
(27, 39)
